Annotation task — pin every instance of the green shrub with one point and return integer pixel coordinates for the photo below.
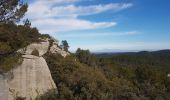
(76, 81)
(9, 62)
(35, 52)
(12, 38)
(50, 95)
(17, 36)
(121, 78)
(4, 48)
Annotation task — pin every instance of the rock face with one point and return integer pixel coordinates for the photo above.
(42, 47)
(168, 75)
(3, 88)
(55, 49)
(32, 78)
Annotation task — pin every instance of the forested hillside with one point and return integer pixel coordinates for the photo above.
(12, 38)
(83, 76)
(158, 59)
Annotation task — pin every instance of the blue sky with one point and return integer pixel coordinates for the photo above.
(104, 24)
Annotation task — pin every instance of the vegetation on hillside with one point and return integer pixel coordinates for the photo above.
(12, 36)
(64, 45)
(83, 76)
(110, 79)
(158, 59)
(76, 81)
(9, 61)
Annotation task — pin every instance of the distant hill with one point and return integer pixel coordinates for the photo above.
(159, 59)
(162, 52)
(110, 54)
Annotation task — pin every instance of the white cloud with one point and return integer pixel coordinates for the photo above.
(43, 9)
(65, 25)
(52, 2)
(72, 10)
(51, 16)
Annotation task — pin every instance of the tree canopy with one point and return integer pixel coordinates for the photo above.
(12, 11)
(121, 77)
(64, 45)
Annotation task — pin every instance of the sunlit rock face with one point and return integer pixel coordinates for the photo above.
(3, 88)
(42, 47)
(56, 49)
(32, 78)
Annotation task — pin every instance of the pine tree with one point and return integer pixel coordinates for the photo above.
(12, 11)
(27, 23)
(65, 45)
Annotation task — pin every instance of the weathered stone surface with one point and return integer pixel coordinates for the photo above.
(41, 47)
(55, 49)
(3, 88)
(31, 79)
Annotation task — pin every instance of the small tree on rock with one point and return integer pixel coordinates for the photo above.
(27, 23)
(64, 45)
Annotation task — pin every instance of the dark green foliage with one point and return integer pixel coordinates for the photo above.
(85, 57)
(45, 36)
(12, 11)
(27, 23)
(113, 78)
(50, 95)
(158, 59)
(8, 62)
(12, 38)
(64, 45)
(132, 76)
(145, 70)
(35, 52)
(76, 81)
(4, 48)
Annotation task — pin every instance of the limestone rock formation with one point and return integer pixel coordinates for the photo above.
(3, 87)
(42, 47)
(32, 78)
(56, 49)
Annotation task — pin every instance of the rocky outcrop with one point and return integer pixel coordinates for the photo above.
(42, 47)
(32, 78)
(3, 88)
(56, 49)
